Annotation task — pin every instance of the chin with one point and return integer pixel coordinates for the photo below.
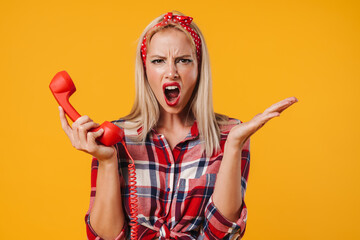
(171, 110)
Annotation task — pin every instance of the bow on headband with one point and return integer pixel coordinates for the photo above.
(185, 22)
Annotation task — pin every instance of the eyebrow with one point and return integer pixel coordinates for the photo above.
(158, 56)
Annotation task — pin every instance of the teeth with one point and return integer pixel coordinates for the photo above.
(171, 87)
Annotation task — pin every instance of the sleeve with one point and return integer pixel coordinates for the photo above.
(216, 225)
(91, 234)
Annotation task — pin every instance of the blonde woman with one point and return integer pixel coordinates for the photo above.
(192, 164)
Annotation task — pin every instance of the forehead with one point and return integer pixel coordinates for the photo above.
(170, 40)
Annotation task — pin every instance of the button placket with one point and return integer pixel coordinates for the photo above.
(168, 179)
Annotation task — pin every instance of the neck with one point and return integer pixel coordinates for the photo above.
(171, 121)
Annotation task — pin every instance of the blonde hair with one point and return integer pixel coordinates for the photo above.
(145, 112)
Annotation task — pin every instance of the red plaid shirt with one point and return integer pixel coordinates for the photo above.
(175, 188)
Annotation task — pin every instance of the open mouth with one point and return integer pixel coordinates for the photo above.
(172, 93)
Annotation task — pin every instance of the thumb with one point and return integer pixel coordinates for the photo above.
(96, 134)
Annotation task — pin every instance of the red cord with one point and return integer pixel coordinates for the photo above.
(133, 200)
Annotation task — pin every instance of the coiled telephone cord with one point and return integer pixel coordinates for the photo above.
(133, 199)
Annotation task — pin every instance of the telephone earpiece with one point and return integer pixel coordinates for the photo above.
(62, 88)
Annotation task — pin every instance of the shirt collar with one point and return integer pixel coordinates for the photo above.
(194, 131)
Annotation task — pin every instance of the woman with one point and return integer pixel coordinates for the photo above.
(192, 164)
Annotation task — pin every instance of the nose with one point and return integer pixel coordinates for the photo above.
(171, 71)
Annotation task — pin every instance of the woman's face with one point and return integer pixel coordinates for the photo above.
(171, 69)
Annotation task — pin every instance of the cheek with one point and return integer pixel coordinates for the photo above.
(191, 76)
(155, 72)
(155, 87)
(150, 73)
(153, 79)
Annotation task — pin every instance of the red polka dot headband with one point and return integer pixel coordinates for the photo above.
(184, 21)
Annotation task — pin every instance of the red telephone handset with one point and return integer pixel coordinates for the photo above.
(62, 88)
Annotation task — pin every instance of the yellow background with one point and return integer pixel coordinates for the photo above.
(304, 174)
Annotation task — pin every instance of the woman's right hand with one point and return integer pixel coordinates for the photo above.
(84, 140)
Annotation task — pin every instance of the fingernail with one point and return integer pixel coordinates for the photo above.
(59, 108)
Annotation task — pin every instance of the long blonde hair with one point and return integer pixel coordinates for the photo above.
(145, 112)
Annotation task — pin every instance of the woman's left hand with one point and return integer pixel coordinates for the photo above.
(239, 134)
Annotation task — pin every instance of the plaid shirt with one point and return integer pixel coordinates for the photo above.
(175, 188)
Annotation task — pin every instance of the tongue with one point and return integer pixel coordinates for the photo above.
(172, 94)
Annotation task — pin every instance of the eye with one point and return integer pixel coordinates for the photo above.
(184, 60)
(155, 61)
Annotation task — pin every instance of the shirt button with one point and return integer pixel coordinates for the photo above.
(169, 164)
(168, 189)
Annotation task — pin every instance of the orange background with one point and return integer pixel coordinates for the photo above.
(304, 174)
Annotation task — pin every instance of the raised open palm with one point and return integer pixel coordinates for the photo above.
(241, 133)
